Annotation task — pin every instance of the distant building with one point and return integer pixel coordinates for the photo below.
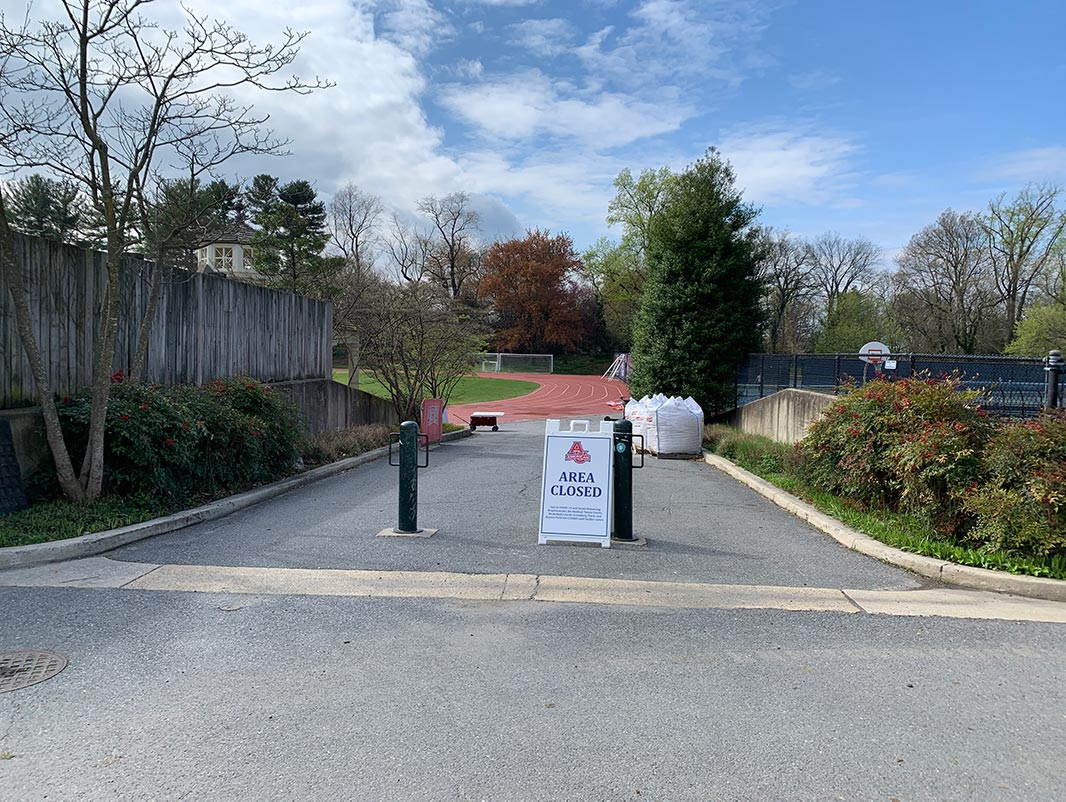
(229, 251)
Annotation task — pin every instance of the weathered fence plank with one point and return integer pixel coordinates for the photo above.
(206, 327)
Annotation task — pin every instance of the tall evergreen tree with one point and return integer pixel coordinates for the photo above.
(292, 235)
(185, 212)
(700, 312)
(44, 207)
(261, 196)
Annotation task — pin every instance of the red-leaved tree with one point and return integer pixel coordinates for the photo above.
(530, 282)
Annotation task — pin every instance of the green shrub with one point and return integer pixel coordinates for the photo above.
(994, 494)
(760, 455)
(909, 445)
(1021, 507)
(58, 519)
(180, 441)
(713, 434)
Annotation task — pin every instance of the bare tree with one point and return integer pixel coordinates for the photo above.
(454, 257)
(842, 264)
(1054, 287)
(107, 99)
(352, 220)
(1023, 236)
(408, 250)
(353, 217)
(944, 286)
(425, 343)
(787, 273)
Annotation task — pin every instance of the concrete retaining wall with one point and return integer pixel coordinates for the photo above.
(783, 416)
(329, 406)
(27, 434)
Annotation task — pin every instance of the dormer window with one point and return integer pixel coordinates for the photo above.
(249, 257)
(223, 257)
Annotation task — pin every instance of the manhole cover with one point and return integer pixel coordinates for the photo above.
(21, 669)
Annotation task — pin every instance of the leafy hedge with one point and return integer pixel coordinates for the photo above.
(923, 454)
(183, 441)
(909, 445)
(927, 448)
(1021, 503)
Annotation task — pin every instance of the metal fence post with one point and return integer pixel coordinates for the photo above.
(1053, 366)
(795, 370)
(623, 480)
(762, 374)
(836, 376)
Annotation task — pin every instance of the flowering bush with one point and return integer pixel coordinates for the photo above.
(909, 444)
(1021, 506)
(180, 441)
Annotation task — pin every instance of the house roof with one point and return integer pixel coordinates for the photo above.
(240, 233)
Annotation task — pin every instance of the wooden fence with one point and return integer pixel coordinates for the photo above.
(206, 327)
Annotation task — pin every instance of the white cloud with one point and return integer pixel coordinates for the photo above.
(677, 40)
(530, 104)
(779, 164)
(468, 68)
(414, 25)
(501, 3)
(566, 187)
(1033, 164)
(370, 128)
(548, 37)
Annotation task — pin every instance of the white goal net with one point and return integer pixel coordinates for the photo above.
(517, 363)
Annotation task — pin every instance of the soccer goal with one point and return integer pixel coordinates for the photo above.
(517, 363)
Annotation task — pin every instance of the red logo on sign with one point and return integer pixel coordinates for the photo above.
(577, 454)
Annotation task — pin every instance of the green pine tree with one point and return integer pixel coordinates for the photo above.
(291, 237)
(700, 312)
(44, 207)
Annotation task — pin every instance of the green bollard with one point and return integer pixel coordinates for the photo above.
(408, 509)
(623, 481)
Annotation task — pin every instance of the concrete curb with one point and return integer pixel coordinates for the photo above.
(947, 572)
(99, 542)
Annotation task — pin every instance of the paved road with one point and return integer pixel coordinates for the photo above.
(484, 494)
(211, 695)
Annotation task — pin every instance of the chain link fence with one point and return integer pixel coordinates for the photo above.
(1012, 386)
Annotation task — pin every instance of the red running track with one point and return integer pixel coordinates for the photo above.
(557, 397)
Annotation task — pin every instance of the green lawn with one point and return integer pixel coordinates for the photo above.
(471, 389)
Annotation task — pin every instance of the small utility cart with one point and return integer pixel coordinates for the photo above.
(485, 419)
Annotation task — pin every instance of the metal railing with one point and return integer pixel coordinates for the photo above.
(1012, 386)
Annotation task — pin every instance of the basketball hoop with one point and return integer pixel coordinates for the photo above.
(874, 352)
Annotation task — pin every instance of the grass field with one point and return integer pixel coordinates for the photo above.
(469, 390)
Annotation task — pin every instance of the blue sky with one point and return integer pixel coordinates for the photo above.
(867, 118)
(864, 117)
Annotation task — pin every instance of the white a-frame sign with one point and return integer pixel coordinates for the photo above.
(575, 499)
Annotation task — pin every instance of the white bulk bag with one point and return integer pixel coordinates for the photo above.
(638, 418)
(697, 410)
(677, 429)
(649, 432)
